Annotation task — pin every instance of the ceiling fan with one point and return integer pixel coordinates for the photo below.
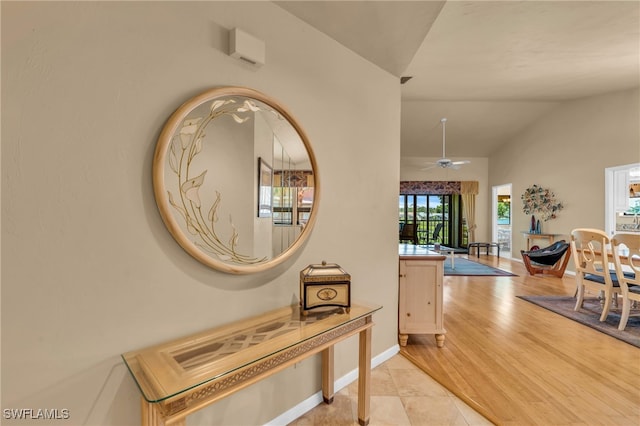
(444, 162)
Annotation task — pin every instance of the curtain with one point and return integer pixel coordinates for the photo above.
(468, 191)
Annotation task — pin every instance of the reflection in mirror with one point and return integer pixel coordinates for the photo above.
(292, 195)
(235, 180)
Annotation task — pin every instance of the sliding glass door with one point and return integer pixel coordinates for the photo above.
(431, 213)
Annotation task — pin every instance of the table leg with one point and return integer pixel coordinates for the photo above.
(453, 259)
(152, 415)
(364, 377)
(327, 375)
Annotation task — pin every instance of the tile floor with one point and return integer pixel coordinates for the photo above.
(401, 394)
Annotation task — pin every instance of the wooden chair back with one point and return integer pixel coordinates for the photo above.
(590, 253)
(626, 255)
(589, 248)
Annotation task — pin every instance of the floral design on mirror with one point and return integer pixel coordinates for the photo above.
(206, 178)
(184, 148)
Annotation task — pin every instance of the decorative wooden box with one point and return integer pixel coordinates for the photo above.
(324, 285)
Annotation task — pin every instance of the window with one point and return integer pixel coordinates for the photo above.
(504, 209)
(291, 203)
(428, 210)
(292, 200)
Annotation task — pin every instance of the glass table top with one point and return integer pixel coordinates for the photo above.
(168, 369)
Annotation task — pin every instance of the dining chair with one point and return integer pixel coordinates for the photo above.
(590, 252)
(408, 232)
(436, 238)
(626, 256)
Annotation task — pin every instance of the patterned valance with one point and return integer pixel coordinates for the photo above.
(293, 178)
(438, 187)
(420, 187)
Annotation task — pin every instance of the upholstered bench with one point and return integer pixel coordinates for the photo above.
(486, 246)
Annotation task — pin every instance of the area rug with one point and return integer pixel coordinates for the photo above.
(469, 267)
(589, 315)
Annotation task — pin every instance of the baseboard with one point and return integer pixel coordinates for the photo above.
(315, 399)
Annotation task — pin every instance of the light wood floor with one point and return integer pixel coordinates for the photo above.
(519, 364)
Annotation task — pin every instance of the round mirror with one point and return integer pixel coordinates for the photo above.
(236, 180)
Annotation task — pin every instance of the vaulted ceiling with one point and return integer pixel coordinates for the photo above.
(490, 67)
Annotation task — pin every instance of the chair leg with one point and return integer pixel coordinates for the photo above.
(606, 306)
(561, 265)
(579, 295)
(626, 306)
(527, 263)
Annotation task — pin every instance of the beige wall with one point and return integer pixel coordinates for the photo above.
(567, 152)
(88, 268)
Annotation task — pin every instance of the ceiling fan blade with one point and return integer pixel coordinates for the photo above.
(432, 166)
(458, 163)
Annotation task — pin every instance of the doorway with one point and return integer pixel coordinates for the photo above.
(620, 208)
(501, 214)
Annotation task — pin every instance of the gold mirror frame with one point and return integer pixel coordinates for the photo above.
(182, 137)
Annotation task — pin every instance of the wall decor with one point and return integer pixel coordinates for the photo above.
(541, 201)
(205, 174)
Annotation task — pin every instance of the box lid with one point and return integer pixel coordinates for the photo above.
(324, 272)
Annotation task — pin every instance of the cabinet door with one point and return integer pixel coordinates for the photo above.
(420, 288)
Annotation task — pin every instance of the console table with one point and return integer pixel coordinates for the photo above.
(533, 236)
(180, 377)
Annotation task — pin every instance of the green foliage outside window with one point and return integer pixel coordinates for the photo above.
(504, 210)
(634, 207)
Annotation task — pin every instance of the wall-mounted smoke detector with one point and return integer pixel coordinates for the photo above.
(246, 47)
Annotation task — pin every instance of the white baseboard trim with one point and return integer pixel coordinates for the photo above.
(315, 399)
